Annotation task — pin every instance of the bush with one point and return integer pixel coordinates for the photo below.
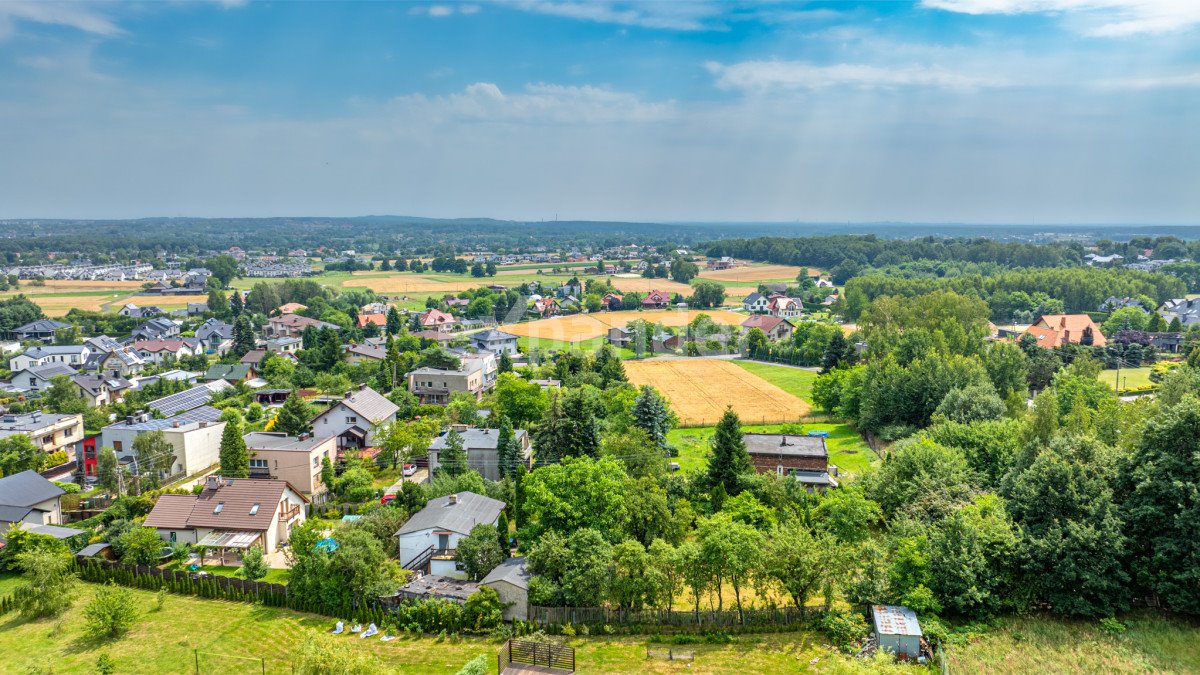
(843, 628)
(1112, 626)
(476, 666)
(111, 613)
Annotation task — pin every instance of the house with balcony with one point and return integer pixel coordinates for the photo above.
(231, 515)
(49, 432)
(482, 451)
(428, 541)
(476, 375)
(295, 459)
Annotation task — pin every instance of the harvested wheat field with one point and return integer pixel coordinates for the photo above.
(580, 327)
(757, 273)
(58, 305)
(411, 283)
(700, 389)
(72, 286)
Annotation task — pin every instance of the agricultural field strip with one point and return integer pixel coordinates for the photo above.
(684, 382)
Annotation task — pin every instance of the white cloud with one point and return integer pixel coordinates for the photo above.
(1098, 18)
(1184, 80)
(72, 15)
(539, 103)
(683, 16)
(443, 11)
(760, 76)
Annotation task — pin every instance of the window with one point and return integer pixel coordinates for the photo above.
(258, 464)
(254, 510)
(219, 507)
(117, 446)
(350, 419)
(316, 462)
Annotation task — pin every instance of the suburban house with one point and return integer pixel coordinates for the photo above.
(366, 319)
(495, 341)
(295, 459)
(435, 319)
(37, 378)
(510, 580)
(546, 306)
(620, 337)
(284, 345)
(1187, 310)
(195, 435)
(215, 336)
(781, 306)
(291, 308)
(98, 390)
(755, 303)
(1167, 342)
(231, 514)
(121, 362)
(612, 302)
(27, 497)
(722, 263)
(435, 385)
(354, 418)
(254, 357)
(775, 327)
(230, 372)
(42, 330)
(293, 325)
(804, 458)
(364, 353)
(156, 329)
(49, 432)
(43, 355)
(160, 351)
(480, 445)
(1053, 330)
(133, 311)
(656, 300)
(429, 539)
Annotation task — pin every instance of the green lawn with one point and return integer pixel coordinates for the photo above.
(231, 637)
(592, 345)
(1038, 644)
(274, 576)
(1131, 378)
(792, 380)
(846, 448)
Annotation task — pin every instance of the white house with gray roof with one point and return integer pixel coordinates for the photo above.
(27, 498)
(41, 355)
(353, 419)
(429, 539)
(195, 437)
(481, 448)
(510, 580)
(495, 341)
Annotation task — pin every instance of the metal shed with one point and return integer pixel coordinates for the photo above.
(898, 630)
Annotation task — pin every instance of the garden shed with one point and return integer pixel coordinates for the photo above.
(898, 630)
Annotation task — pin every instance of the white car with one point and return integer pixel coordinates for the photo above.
(410, 469)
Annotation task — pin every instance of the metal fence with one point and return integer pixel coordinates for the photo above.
(544, 654)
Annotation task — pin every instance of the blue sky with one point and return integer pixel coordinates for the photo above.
(1047, 111)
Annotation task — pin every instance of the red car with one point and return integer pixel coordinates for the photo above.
(387, 499)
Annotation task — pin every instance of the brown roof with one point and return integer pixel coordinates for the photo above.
(377, 319)
(253, 357)
(1053, 330)
(171, 512)
(290, 307)
(236, 499)
(434, 335)
(160, 345)
(435, 317)
(763, 322)
(296, 321)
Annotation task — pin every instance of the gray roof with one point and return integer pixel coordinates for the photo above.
(201, 414)
(51, 350)
(29, 422)
(49, 370)
(188, 399)
(13, 514)
(93, 383)
(476, 439)
(785, 445)
(56, 531)
(513, 570)
(471, 510)
(894, 620)
(220, 328)
(370, 405)
(274, 440)
(41, 326)
(92, 549)
(26, 489)
(753, 298)
(493, 335)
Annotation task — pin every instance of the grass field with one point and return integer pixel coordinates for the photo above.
(795, 381)
(846, 448)
(582, 327)
(230, 637)
(1038, 644)
(1131, 378)
(700, 390)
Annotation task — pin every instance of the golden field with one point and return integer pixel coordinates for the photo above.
(757, 273)
(580, 327)
(700, 389)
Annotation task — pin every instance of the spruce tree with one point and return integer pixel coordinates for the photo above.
(729, 457)
(293, 418)
(507, 449)
(243, 336)
(835, 352)
(502, 531)
(236, 304)
(581, 429)
(550, 436)
(651, 414)
(1176, 326)
(452, 459)
(235, 459)
(393, 321)
(506, 363)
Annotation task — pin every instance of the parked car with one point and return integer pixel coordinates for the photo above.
(387, 498)
(410, 469)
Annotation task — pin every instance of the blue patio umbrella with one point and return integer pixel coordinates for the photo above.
(328, 545)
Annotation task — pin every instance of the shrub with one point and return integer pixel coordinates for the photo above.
(476, 666)
(1112, 626)
(111, 613)
(843, 628)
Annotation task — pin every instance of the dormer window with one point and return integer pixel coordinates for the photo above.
(254, 510)
(219, 507)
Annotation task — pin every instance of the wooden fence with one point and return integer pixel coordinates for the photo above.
(703, 620)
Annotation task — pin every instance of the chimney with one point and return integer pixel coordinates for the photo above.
(129, 420)
(175, 424)
(453, 499)
(362, 386)
(204, 425)
(214, 482)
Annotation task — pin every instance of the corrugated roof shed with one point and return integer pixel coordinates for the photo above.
(895, 620)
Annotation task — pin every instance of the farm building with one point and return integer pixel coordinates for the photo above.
(898, 630)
